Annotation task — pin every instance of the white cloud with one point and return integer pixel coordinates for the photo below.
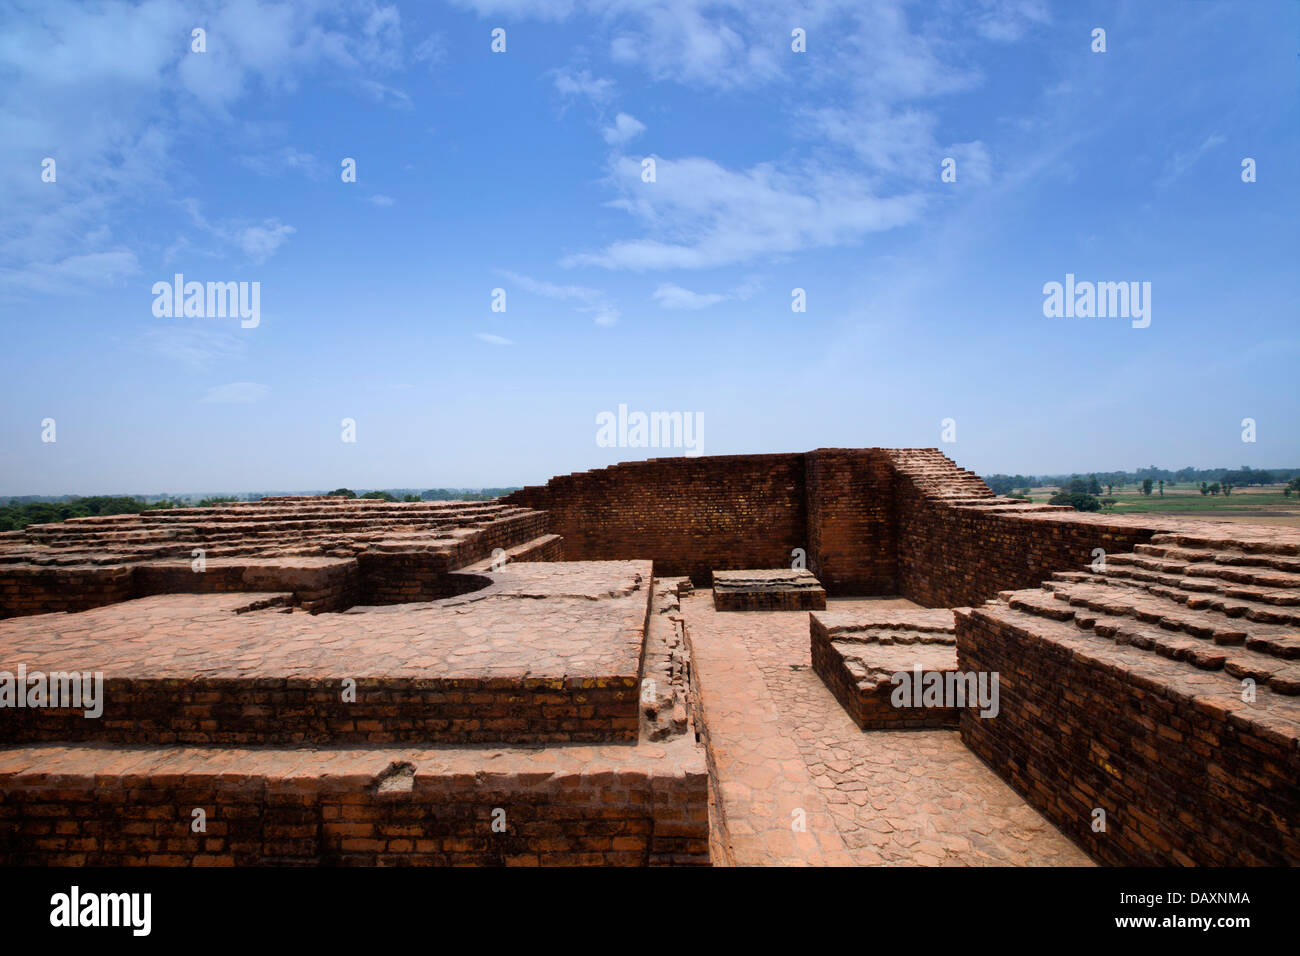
(582, 83)
(670, 296)
(236, 393)
(1009, 20)
(379, 199)
(551, 290)
(700, 214)
(491, 339)
(259, 243)
(625, 128)
(594, 302)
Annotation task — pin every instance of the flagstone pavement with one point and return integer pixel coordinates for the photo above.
(787, 756)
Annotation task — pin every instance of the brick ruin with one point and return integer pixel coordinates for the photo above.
(340, 681)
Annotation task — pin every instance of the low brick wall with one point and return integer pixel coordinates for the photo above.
(42, 590)
(1185, 772)
(953, 557)
(408, 577)
(69, 807)
(279, 711)
(317, 584)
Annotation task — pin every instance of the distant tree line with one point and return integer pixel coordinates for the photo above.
(433, 494)
(17, 515)
(1117, 480)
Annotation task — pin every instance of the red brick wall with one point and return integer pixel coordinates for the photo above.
(1180, 783)
(691, 516)
(621, 817)
(45, 589)
(852, 538)
(952, 557)
(277, 711)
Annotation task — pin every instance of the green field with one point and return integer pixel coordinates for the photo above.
(1187, 498)
(1237, 501)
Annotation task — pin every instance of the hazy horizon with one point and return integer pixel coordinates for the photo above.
(307, 490)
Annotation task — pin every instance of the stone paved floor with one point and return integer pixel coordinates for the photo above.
(784, 751)
(575, 620)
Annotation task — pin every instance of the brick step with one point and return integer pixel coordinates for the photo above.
(236, 518)
(245, 528)
(1271, 607)
(857, 654)
(1171, 609)
(1100, 619)
(1243, 539)
(114, 547)
(1234, 558)
(1236, 573)
(530, 550)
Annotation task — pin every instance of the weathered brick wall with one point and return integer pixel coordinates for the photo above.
(42, 590)
(807, 599)
(1180, 782)
(301, 711)
(624, 816)
(950, 557)
(317, 585)
(690, 515)
(852, 535)
(405, 577)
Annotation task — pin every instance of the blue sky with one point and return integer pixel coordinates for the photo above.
(521, 170)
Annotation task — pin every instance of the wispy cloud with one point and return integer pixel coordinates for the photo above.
(1184, 160)
(257, 241)
(699, 214)
(593, 302)
(491, 339)
(282, 160)
(73, 274)
(672, 296)
(581, 83)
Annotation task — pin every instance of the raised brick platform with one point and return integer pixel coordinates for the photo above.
(496, 665)
(547, 654)
(782, 589)
(858, 652)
